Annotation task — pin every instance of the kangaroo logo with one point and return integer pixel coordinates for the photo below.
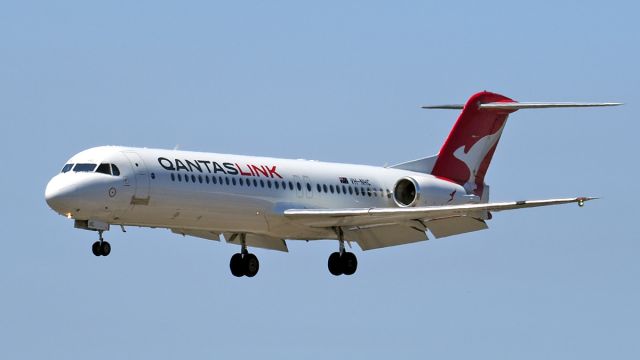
(476, 154)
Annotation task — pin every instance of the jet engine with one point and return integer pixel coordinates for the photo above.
(406, 192)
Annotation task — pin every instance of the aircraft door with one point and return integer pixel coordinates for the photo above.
(306, 184)
(298, 185)
(140, 180)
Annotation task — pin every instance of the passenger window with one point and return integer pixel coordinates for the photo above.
(255, 183)
(173, 177)
(84, 167)
(324, 187)
(357, 192)
(331, 188)
(207, 178)
(319, 188)
(226, 180)
(214, 180)
(299, 186)
(66, 168)
(290, 185)
(344, 189)
(338, 189)
(186, 178)
(276, 184)
(104, 169)
(261, 183)
(350, 190)
(308, 187)
(284, 185)
(269, 184)
(241, 181)
(233, 180)
(248, 182)
(179, 177)
(200, 178)
(220, 179)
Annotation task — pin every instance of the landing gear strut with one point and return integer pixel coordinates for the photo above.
(244, 263)
(101, 247)
(342, 262)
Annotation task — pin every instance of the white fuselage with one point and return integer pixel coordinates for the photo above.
(227, 193)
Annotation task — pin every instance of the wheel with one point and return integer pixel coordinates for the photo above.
(335, 265)
(251, 265)
(349, 263)
(95, 248)
(105, 248)
(236, 265)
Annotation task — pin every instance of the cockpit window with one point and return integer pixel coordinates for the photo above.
(104, 169)
(109, 169)
(67, 167)
(84, 167)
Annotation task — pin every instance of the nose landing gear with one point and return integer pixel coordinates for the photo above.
(101, 247)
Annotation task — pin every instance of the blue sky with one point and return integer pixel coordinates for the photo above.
(331, 81)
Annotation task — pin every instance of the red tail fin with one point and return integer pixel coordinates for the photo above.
(465, 156)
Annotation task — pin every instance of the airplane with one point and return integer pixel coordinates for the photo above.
(263, 202)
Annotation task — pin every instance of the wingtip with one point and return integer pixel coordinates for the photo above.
(587, 198)
(583, 199)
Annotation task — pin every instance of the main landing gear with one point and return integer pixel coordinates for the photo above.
(244, 263)
(342, 262)
(101, 247)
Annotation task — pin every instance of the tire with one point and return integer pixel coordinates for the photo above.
(251, 265)
(105, 248)
(235, 265)
(349, 263)
(334, 264)
(95, 248)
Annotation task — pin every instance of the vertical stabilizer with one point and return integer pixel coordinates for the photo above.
(466, 154)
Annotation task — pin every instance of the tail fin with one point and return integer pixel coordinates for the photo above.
(466, 154)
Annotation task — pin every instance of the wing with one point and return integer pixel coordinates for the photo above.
(380, 227)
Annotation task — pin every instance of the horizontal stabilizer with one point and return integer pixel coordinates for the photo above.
(542, 105)
(523, 105)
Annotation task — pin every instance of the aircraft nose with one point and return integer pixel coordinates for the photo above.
(59, 195)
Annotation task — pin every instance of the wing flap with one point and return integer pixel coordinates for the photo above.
(455, 225)
(203, 234)
(388, 235)
(259, 241)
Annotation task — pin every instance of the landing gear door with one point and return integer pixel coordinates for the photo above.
(141, 176)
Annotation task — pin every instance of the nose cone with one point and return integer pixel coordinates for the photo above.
(59, 195)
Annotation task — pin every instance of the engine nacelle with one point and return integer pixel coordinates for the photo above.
(406, 192)
(428, 191)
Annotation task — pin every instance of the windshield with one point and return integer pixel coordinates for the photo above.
(66, 168)
(84, 167)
